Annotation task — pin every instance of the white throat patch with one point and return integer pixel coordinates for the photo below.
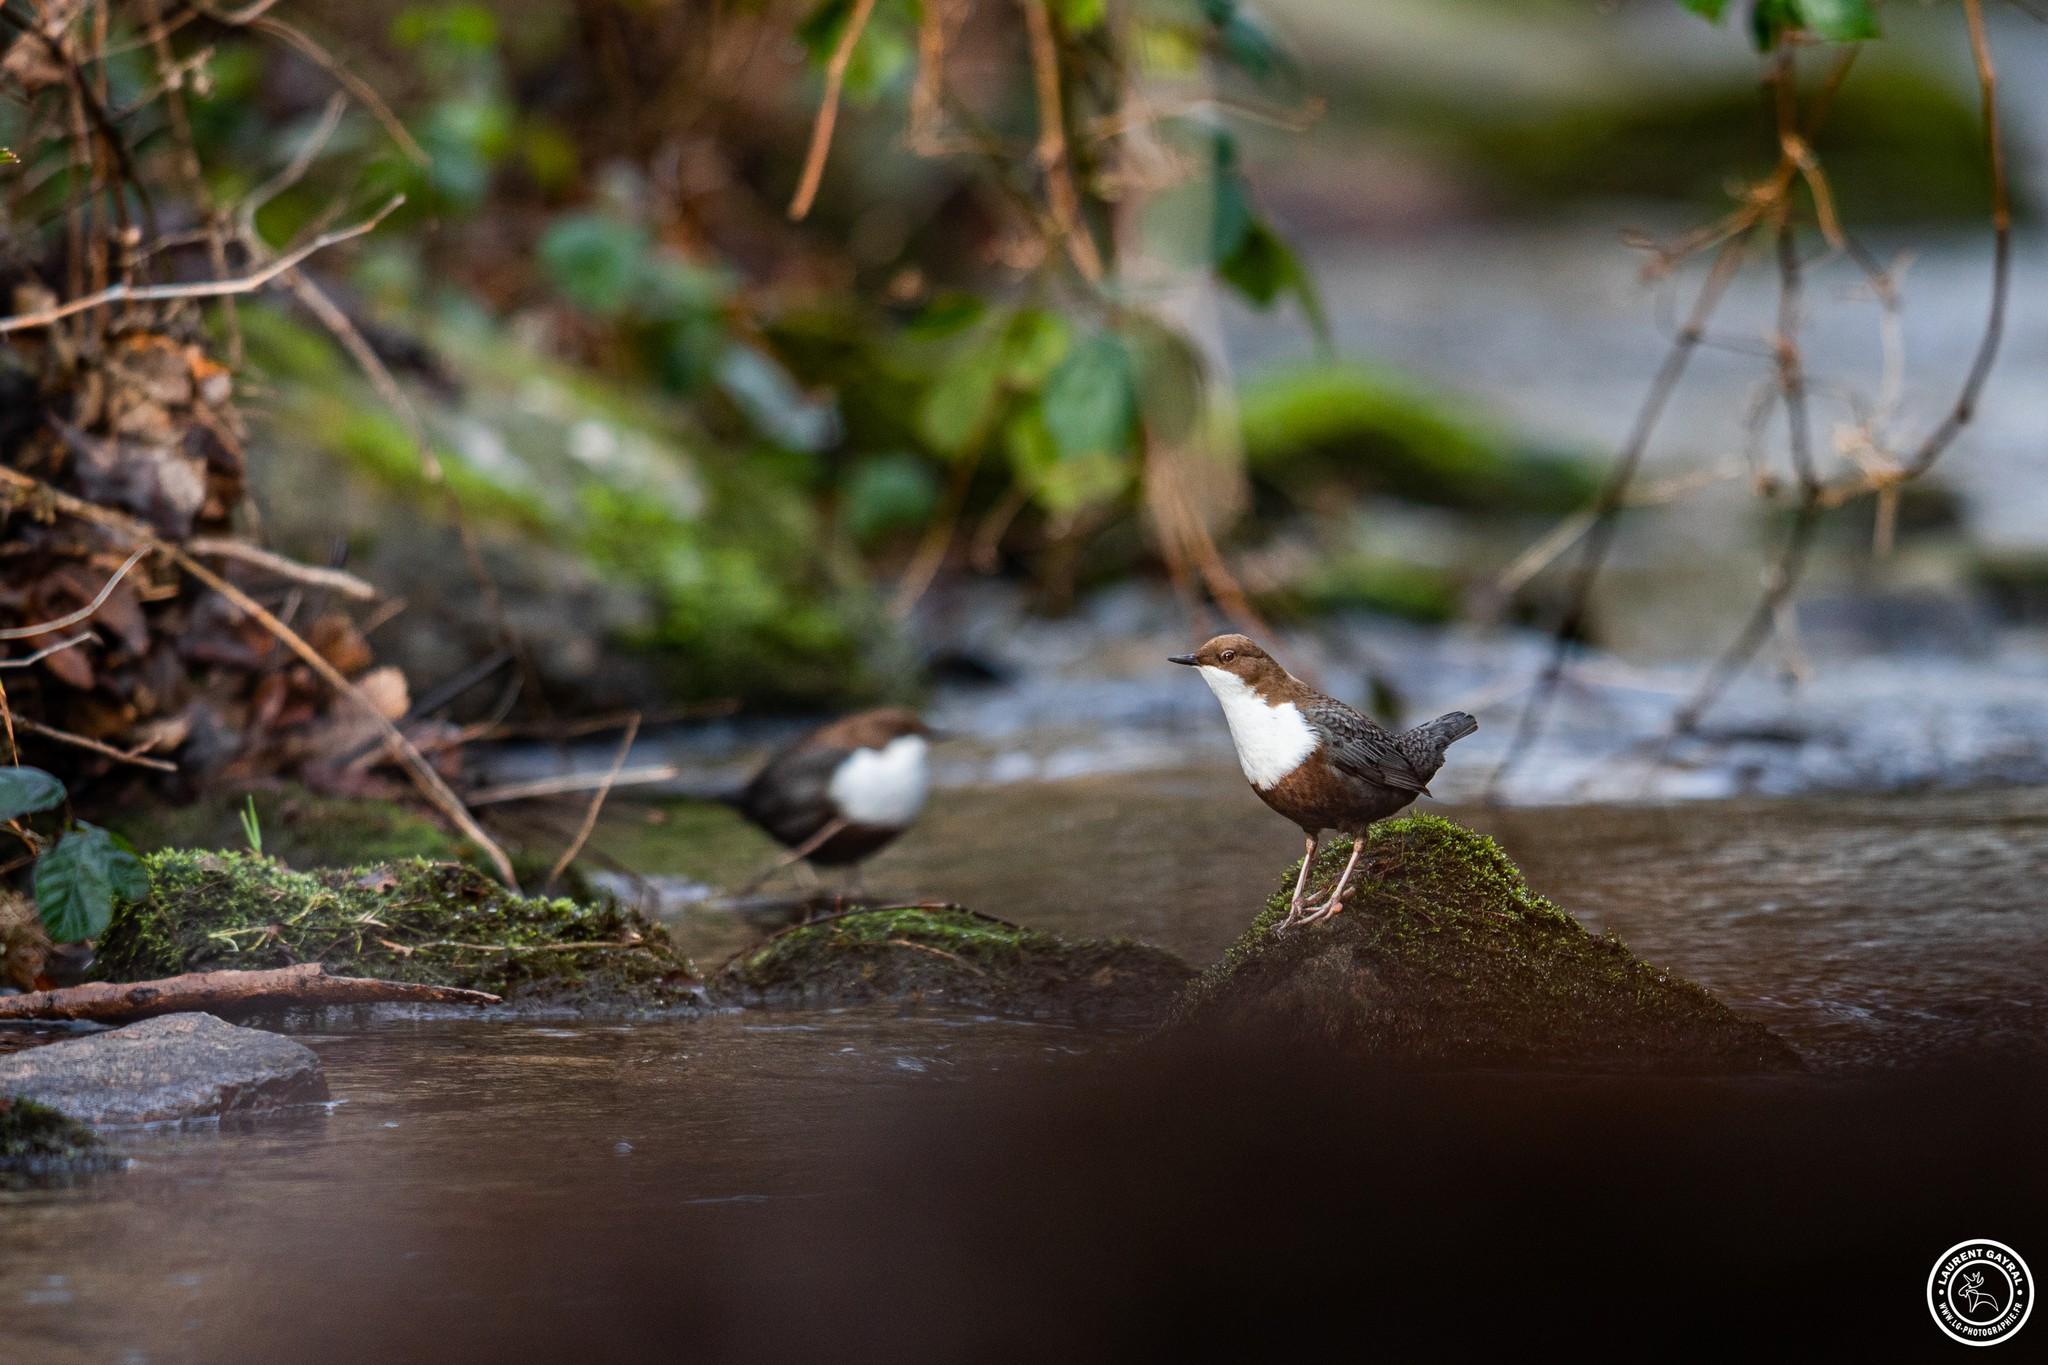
(884, 786)
(1271, 741)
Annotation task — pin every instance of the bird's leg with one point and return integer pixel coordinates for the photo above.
(1335, 901)
(795, 855)
(1308, 861)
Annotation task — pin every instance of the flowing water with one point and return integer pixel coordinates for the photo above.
(458, 1156)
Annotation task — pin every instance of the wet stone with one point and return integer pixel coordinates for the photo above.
(179, 1066)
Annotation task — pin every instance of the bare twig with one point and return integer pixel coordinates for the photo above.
(1600, 535)
(122, 292)
(83, 613)
(365, 94)
(591, 812)
(828, 111)
(129, 756)
(47, 651)
(334, 580)
(1053, 154)
(422, 772)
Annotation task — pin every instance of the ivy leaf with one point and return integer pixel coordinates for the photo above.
(1838, 21)
(23, 791)
(1081, 16)
(82, 879)
(961, 401)
(1089, 402)
(595, 261)
(1200, 222)
(1264, 267)
(886, 494)
(1033, 344)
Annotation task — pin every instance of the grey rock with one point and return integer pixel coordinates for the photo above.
(178, 1066)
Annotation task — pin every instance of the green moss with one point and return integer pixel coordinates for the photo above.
(37, 1140)
(406, 920)
(746, 590)
(300, 828)
(1357, 426)
(1899, 145)
(1443, 956)
(952, 956)
(1392, 587)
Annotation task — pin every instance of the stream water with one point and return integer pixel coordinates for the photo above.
(463, 1159)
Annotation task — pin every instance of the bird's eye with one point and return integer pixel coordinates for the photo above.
(1227, 655)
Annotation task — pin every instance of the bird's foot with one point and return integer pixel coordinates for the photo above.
(1317, 913)
(1293, 918)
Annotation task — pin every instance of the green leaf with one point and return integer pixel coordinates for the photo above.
(1202, 221)
(23, 791)
(888, 493)
(1081, 16)
(961, 401)
(595, 261)
(1264, 267)
(81, 879)
(1090, 403)
(1057, 482)
(1033, 344)
(1838, 21)
(1710, 9)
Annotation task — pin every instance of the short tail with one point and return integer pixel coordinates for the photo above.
(1448, 728)
(1424, 746)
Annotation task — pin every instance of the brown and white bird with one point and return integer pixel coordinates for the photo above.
(1314, 759)
(841, 793)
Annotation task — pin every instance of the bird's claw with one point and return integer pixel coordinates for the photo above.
(1323, 911)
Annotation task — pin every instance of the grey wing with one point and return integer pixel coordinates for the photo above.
(791, 796)
(1359, 747)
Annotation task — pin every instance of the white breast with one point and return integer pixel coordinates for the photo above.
(1271, 741)
(884, 786)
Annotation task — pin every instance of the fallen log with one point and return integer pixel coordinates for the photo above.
(307, 984)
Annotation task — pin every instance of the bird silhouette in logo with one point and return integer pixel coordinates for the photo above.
(1971, 1288)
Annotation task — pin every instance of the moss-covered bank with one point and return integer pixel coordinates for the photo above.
(405, 920)
(1444, 957)
(36, 1140)
(954, 957)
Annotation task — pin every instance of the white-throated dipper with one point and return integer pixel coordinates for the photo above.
(1314, 759)
(842, 792)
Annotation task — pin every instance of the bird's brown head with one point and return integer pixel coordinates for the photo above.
(1238, 654)
(873, 729)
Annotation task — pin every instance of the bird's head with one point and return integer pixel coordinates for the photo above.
(1238, 655)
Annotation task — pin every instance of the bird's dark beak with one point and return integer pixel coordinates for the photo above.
(1188, 659)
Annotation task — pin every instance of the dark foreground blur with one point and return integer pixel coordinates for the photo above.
(1253, 1203)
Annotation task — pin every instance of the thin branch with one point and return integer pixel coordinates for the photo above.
(828, 111)
(591, 812)
(199, 289)
(334, 580)
(130, 756)
(1600, 535)
(1965, 407)
(429, 782)
(1052, 143)
(365, 94)
(83, 613)
(47, 650)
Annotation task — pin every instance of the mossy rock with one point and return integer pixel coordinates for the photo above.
(36, 1140)
(299, 827)
(1443, 957)
(1353, 425)
(405, 920)
(952, 956)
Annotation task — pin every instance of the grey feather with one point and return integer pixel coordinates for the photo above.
(1357, 745)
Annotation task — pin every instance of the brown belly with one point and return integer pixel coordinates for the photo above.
(853, 844)
(1317, 797)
